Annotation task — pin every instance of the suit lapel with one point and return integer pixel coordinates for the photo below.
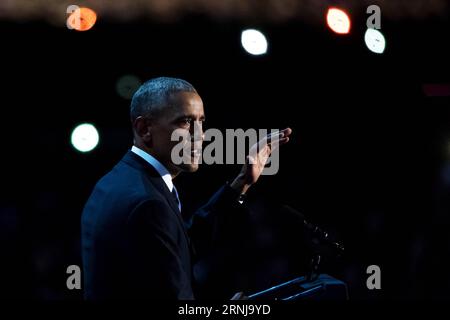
(159, 184)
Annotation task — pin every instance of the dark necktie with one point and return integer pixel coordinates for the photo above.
(175, 196)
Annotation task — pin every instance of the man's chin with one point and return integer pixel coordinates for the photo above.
(189, 167)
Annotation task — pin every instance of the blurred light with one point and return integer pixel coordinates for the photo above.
(375, 40)
(84, 137)
(254, 42)
(338, 21)
(436, 89)
(82, 19)
(127, 85)
(232, 10)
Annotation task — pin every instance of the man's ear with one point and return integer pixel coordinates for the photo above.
(142, 128)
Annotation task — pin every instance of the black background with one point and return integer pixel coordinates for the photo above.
(366, 159)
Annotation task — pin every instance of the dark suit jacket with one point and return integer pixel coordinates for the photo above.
(134, 241)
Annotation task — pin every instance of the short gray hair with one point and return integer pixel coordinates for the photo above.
(153, 95)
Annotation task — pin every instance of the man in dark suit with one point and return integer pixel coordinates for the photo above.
(134, 240)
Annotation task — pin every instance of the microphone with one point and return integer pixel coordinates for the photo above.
(320, 234)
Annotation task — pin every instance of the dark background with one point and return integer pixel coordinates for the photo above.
(368, 159)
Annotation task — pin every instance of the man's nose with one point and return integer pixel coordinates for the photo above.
(197, 134)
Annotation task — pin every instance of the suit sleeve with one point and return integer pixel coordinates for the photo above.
(158, 253)
(217, 220)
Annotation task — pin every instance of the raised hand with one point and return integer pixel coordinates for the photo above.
(255, 162)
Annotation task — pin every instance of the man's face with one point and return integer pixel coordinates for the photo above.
(185, 115)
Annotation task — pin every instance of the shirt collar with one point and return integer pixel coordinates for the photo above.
(163, 172)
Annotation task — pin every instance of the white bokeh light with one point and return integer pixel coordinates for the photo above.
(254, 42)
(84, 137)
(375, 40)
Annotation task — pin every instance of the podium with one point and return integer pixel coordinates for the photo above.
(322, 287)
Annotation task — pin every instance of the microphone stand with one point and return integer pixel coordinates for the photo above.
(320, 237)
(313, 284)
(313, 273)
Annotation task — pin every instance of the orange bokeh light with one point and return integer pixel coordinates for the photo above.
(338, 20)
(82, 19)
